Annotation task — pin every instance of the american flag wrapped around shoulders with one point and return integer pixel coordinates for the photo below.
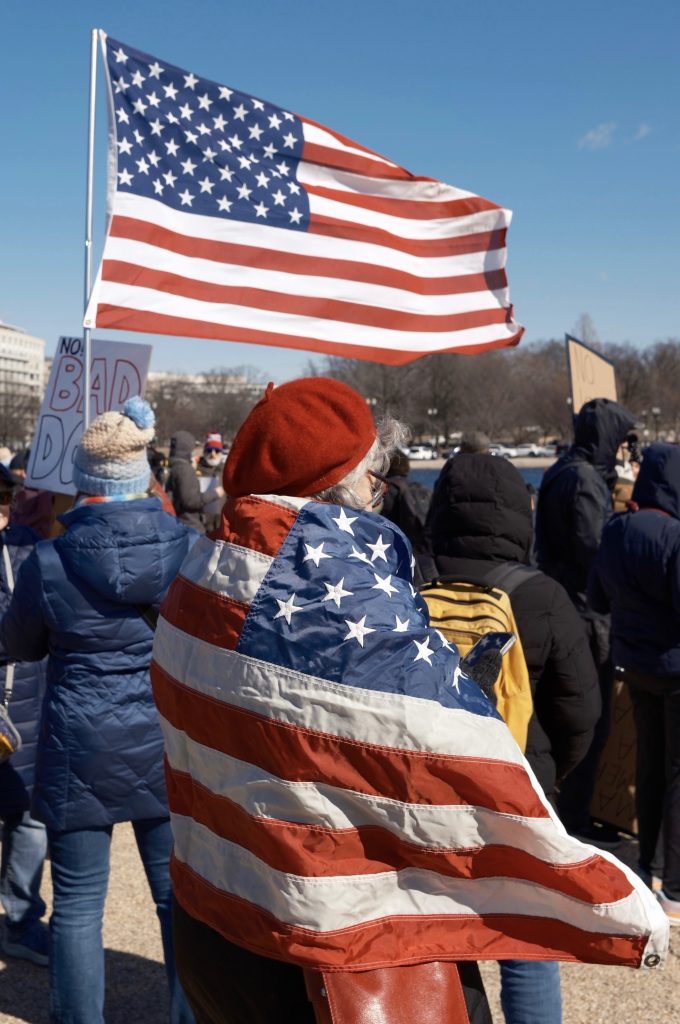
(342, 797)
(234, 219)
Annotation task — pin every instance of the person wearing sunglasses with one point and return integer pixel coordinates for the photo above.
(24, 840)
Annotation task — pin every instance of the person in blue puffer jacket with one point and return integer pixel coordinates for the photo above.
(637, 576)
(85, 599)
(24, 841)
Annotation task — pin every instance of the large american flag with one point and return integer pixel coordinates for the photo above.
(237, 220)
(341, 795)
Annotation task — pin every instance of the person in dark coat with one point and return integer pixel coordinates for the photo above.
(82, 599)
(24, 841)
(574, 504)
(187, 497)
(406, 502)
(637, 576)
(481, 517)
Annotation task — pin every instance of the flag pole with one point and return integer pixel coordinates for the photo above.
(87, 339)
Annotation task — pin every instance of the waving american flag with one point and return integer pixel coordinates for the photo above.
(237, 220)
(341, 795)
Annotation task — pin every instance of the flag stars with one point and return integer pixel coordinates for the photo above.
(142, 166)
(170, 91)
(361, 556)
(120, 85)
(203, 129)
(139, 138)
(401, 627)
(235, 141)
(156, 127)
(171, 119)
(295, 216)
(188, 166)
(357, 630)
(293, 188)
(186, 197)
(226, 174)
(258, 105)
(209, 154)
(191, 137)
(170, 179)
(262, 179)
(219, 123)
(223, 204)
(287, 609)
(283, 168)
(225, 94)
(186, 112)
(384, 583)
(125, 146)
(155, 70)
(158, 187)
(207, 185)
(240, 112)
(124, 177)
(279, 198)
(138, 79)
(445, 642)
(269, 150)
(424, 652)
(255, 132)
(171, 147)
(336, 592)
(154, 158)
(120, 55)
(245, 163)
(190, 81)
(289, 140)
(139, 106)
(243, 191)
(274, 122)
(315, 554)
(379, 549)
(153, 99)
(204, 102)
(345, 522)
(122, 116)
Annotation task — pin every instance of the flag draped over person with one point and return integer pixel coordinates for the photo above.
(233, 219)
(342, 797)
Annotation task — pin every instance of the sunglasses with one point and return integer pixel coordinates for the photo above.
(379, 488)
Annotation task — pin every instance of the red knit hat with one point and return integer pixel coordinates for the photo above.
(300, 438)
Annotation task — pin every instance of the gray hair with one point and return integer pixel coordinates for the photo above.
(390, 435)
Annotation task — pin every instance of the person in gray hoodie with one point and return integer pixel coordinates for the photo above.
(187, 498)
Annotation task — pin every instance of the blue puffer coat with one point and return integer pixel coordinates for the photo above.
(17, 774)
(100, 747)
(637, 570)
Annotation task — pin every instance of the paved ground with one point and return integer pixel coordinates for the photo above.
(136, 984)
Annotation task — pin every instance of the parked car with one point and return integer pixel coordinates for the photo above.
(503, 450)
(422, 451)
(529, 449)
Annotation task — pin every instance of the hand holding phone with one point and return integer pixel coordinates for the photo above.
(483, 662)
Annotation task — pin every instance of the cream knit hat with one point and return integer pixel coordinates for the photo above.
(111, 457)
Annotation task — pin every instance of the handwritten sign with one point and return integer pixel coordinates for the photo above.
(590, 374)
(118, 371)
(614, 798)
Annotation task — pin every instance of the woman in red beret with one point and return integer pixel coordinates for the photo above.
(353, 824)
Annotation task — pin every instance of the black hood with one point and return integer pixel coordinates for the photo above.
(599, 429)
(658, 484)
(481, 509)
(182, 445)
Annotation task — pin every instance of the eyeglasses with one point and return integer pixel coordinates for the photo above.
(379, 488)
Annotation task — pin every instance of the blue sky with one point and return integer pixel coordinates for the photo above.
(566, 113)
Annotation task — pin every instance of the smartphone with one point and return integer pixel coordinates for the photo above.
(482, 663)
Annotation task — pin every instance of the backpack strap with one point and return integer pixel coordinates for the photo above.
(507, 577)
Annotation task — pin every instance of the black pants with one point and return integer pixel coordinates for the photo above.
(656, 709)
(229, 985)
(576, 791)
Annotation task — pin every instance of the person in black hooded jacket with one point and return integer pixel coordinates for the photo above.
(481, 517)
(574, 504)
(637, 575)
(187, 498)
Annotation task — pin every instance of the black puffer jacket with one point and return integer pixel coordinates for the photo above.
(187, 498)
(481, 517)
(574, 501)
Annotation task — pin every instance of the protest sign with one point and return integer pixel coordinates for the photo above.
(118, 371)
(590, 374)
(614, 798)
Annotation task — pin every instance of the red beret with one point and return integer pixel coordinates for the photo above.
(300, 438)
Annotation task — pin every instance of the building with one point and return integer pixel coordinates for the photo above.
(22, 382)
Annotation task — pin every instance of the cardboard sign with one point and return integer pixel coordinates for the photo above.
(118, 371)
(614, 799)
(590, 374)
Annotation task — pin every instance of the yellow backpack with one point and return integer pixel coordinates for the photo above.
(464, 610)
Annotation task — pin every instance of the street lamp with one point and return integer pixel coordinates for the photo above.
(435, 436)
(656, 413)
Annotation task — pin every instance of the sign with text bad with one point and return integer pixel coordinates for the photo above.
(117, 372)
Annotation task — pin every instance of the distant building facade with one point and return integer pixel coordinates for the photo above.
(22, 382)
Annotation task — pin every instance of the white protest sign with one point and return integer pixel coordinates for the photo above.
(118, 371)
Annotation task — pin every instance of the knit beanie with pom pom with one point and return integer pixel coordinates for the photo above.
(111, 457)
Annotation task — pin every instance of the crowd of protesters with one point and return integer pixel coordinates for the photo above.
(82, 580)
